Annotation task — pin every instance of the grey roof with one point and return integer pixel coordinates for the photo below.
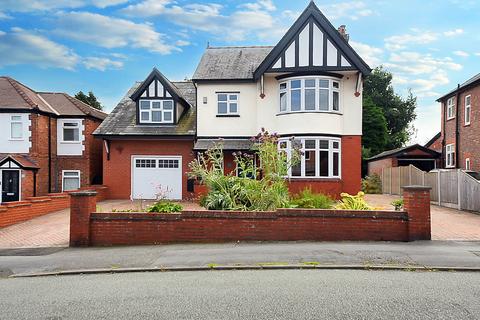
(228, 144)
(122, 120)
(221, 63)
(470, 81)
(399, 151)
(15, 95)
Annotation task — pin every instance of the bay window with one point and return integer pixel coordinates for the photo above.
(320, 157)
(310, 94)
(156, 111)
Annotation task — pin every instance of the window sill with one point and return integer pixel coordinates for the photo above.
(467, 124)
(13, 139)
(323, 179)
(70, 142)
(227, 115)
(448, 119)
(316, 112)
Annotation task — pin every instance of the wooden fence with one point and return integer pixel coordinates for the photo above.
(450, 188)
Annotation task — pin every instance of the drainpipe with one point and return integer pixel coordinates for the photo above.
(444, 125)
(49, 154)
(34, 183)
(457, 128)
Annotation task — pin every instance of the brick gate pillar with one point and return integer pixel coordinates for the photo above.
(82, 204)
(416, 202)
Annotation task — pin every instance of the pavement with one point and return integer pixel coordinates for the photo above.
(444, 255)
(263, 294)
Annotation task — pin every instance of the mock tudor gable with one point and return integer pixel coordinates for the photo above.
(312, 44)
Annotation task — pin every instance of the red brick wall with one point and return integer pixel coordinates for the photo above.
(375, 167)
(88, 228)
(19, 211)
(117, 171)
(352, 164)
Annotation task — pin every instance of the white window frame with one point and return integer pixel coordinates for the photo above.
(12, 122)
(331, 89)
(331, 151)
(450, 155)
(451, 108)
(229, 101)
(78, 125)
(150, 111)
(468, 164)
(79, 178)
(468, 109)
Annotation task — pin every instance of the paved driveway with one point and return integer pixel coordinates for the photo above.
(52, 230)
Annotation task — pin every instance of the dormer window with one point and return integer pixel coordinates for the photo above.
(310, 94)
(156, 111)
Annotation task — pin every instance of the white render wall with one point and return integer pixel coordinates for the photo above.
(8, 145)
(70, 148)
(256, 112)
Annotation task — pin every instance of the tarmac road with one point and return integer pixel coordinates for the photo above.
(262, 294)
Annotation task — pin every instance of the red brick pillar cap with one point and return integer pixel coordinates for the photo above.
(414, 187)
(83, 193)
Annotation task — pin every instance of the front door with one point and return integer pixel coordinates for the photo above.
(10, 185)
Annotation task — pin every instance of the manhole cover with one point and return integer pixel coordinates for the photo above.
(29, 251)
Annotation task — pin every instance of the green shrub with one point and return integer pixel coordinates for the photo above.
(309, 200)
(372, 184)
(165, 207)
(350, 202)
(251, 191)
(127, 210)
(398, 204)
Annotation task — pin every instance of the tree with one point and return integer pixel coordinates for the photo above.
(375, 133)
(91, 100)
(398, 112)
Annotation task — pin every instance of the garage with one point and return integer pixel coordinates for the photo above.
(153, 176)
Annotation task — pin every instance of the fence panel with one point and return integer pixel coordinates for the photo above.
(431, 180)
(449, 186)
(469, 192)
(395, 184)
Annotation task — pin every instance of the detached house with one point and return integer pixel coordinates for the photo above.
(460, 131)
(46, 142)
(308, 86)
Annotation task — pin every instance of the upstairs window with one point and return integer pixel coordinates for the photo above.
(451, 108)
(156, 111)
(227, 104)
(16, 128)
(71, 131)
(310, 94)
(450, 155)
(468, 109)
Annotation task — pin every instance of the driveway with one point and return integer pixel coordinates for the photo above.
(447, 224)
(52, 230)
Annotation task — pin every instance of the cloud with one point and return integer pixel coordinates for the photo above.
(452, 33)
(182, 43)
(4, 16)
(346, 10)
(110, 32)
(249, 20)
(372, 55)
(462, 54)
(46, 5)
(400, 42)
(21, 47)
(101, 64)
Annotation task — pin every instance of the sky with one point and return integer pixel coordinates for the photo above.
(105, 46)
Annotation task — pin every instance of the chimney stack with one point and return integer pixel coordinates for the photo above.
(343, 31)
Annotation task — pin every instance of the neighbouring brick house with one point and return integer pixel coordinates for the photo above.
(435, 143)
(46, 142)
(308, 86)
(460, 135)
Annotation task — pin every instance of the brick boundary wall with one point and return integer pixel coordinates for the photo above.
(106, 229)
(20, 211)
